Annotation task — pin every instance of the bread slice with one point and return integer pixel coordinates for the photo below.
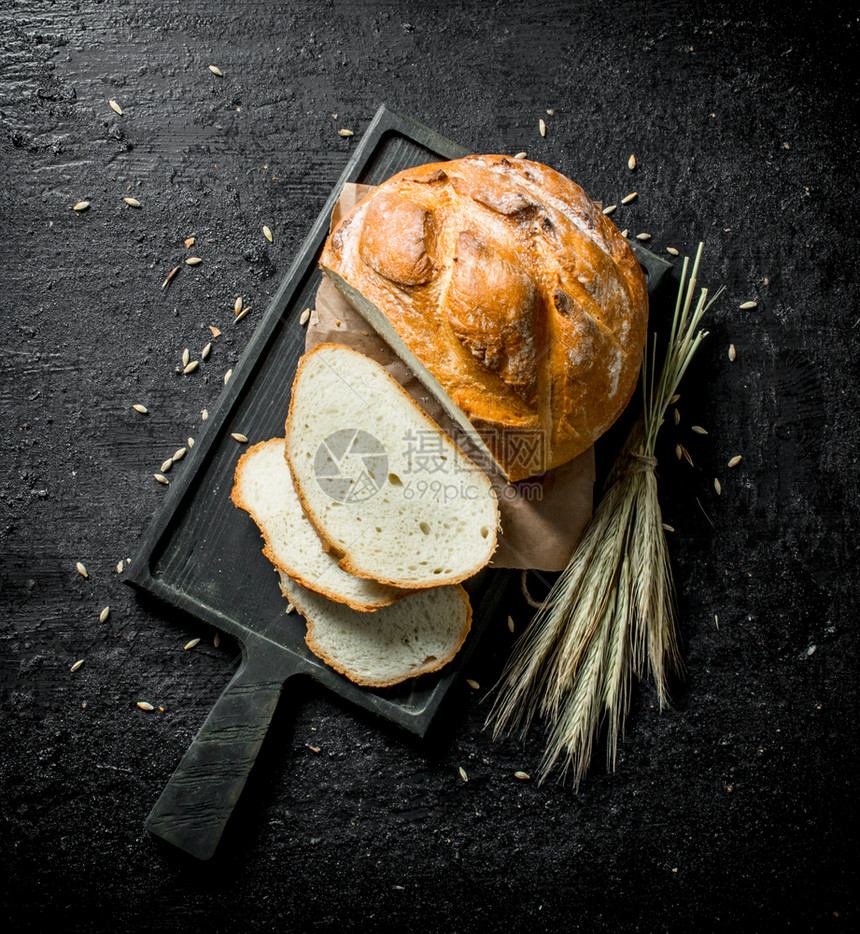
(414, 636)
(264, 489)
(386, 489)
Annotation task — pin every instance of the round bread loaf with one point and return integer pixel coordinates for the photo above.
(509, 293)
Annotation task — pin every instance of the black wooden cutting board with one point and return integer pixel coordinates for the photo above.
(202, 556)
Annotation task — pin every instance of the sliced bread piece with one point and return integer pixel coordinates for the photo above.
(386, 489)
(264, 488)
(414, 636)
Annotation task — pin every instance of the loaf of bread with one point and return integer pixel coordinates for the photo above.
(414, 636)
(509, 293)
(385, 488)
(264, 488)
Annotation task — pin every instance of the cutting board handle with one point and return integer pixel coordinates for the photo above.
(197, 802)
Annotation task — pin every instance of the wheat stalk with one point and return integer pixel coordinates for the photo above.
(611, 613)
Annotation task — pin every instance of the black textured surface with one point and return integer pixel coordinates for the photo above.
(735, 809)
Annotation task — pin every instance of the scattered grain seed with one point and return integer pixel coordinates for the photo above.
(189, 242)
(81, 569)
(145, 705)
(206, 351)
(239, 437)
(267, 233)
(735, 460)
(610, 208)
(216, 332)
(643, 236)
(237, 305)
(628, 198)
(679, 451)
(675, 398)
(677, 417)
(191, 644)
(345, 133)
(161, 478)
(511, 623)
(521, 155)
(631, 162)
(166, 465)
(140, 408)
(718, 486)
(227, 376)
(473, 684)
(114, 106)
(190, 443)
(523, 776)
(698, 429)
(81, 206)
(193, 261)
(132, 202)
(290, 609)
(551, 111)
(315, 749)
(119, 566)
(463, 774)
(216, 71)
(77, 665)
(747, 305)
(732, 353)
(191, 367)
(204, 414)
(186, 357)
(542, 127)
(216, 639)
(241, 314)
(672, 250)
(305, 316)
(667, 527)
(686, 454)
(104, 614)
(170, 276)
(624, 232)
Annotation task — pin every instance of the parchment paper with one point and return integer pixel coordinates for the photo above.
(542, 517)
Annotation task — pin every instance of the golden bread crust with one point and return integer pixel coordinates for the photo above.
(515, 291)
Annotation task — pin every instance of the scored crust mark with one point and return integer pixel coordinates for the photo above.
(393, 240)
(492, 307)
(494, 193)
(340, 234)
(439, 175)
(590, 372)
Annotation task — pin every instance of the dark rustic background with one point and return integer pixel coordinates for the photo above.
(733, 810)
